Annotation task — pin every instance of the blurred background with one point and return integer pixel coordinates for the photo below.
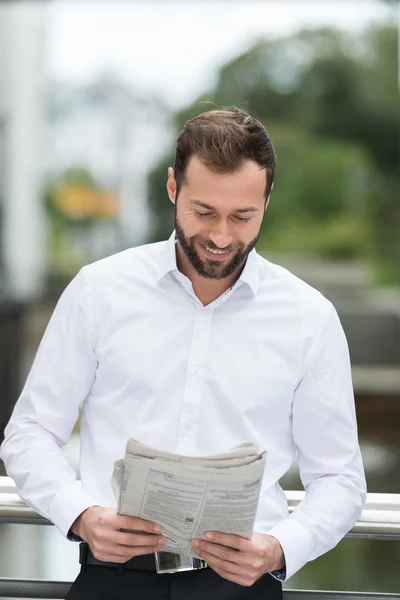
(92, 96)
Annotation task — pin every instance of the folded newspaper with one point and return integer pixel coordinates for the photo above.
(189, 495)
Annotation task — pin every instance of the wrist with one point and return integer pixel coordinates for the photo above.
(78, 526)
(279, 556)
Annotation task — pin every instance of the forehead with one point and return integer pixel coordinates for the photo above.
(239, 187)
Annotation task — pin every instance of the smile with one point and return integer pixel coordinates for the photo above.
(216, 253)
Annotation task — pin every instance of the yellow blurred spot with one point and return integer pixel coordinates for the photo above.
(79, 201)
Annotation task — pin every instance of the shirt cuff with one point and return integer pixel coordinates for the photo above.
(296, 542)
(67, 505)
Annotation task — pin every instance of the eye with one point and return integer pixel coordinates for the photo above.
(241, 219)
(204, 214)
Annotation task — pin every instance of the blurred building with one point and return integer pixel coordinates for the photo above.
(22, 60)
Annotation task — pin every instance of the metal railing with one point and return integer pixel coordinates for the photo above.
(380, 520)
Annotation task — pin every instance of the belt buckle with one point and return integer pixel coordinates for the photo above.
(169, 562)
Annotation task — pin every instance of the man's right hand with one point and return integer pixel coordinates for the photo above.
(105, 532)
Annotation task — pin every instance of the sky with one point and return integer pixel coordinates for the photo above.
(173, 47)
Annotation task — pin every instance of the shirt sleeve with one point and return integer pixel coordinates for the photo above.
(325, 434)
(61, 377)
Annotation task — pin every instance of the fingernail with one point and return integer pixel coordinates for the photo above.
(162, 540)
(158, 529)
(209, 536)
(195, 544)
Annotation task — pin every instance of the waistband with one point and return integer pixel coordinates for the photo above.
(162, 562)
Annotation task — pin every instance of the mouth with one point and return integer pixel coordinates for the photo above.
(215, 254)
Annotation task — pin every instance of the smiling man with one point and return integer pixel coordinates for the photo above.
(194, 345)
(216, 237)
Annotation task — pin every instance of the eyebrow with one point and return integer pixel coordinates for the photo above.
(238, 210)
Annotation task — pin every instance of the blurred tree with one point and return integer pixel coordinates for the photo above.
(161, 209)
(75, 203)
(329, 100)
(319, 205)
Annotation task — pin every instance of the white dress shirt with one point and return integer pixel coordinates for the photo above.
(267, 362)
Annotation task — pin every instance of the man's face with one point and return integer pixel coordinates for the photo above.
(218, 217)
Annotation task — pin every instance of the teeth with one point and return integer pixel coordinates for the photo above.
(216, 251)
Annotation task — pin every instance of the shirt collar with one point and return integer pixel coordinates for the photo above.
(249, 275)
(168, 258)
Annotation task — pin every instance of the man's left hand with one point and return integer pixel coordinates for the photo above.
(239, 560)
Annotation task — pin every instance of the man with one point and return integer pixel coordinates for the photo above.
(194, 345)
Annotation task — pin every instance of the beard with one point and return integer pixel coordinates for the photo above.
(206, 267)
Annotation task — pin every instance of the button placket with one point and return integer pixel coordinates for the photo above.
(194, 382)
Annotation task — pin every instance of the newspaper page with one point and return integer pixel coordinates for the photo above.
(188, 496)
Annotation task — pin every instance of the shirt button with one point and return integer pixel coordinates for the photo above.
(195, 369)
(202, 312)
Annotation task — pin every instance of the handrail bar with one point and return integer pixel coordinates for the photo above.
(380, 518)
(375, 501)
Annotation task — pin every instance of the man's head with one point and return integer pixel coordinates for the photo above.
(223, 175)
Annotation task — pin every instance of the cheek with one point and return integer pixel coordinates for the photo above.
(253, 230)
(246, 233)
(185, 214)
(190, 225)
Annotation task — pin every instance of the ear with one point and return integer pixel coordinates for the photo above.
(171, 185)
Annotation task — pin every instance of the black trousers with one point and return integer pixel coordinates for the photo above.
(102, 583)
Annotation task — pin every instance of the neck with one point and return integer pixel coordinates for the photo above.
(207, 290)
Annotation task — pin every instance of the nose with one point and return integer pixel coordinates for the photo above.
(221, 236)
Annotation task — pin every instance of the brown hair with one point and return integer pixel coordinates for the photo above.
(223, 140)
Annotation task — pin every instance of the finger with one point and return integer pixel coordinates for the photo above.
(228, 539)
(132, 524)
(221, 552)
(251, 563)
(137, 539)
(121, 554)
(231, 577)
(218, 563)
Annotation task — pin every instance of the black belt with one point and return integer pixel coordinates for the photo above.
(145, 562)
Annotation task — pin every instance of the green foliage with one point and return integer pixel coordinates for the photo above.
(329, 100)
(342, 237)
(73, 175)
(162, 214)
(320, 204)
(64, 225)
(325, 179)
(80, 175)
